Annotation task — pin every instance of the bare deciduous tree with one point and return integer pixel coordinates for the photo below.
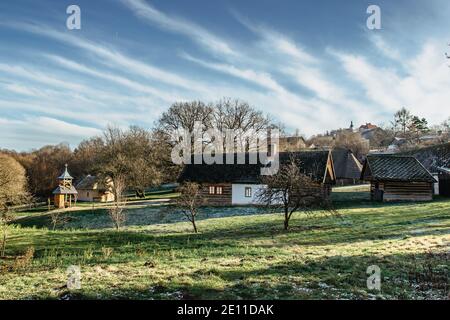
(130, 158)
(245, 121)
(12, 192)
(57, 217)
(117, 211)
(352, 141)
(189, 201)
(402, 119)
(291, 190)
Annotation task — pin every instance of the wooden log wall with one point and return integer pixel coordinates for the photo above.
(404, 191)
(223, 199)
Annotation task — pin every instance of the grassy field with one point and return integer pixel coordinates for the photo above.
(240, 253)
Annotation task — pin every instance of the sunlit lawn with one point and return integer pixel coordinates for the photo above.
(240, 253)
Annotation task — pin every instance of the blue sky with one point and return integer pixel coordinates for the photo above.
(312, 65)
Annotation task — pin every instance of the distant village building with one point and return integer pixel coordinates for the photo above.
(289, 144)
(65, 193)
(239, 184)
(397, 178)
(367, 126)
(396, 145)
(347, 167)
(95, 189)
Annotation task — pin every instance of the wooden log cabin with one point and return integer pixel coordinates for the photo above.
(397, 178)
(230, 184)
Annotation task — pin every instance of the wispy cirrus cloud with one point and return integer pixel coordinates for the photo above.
(307, 83)
(113, 58)
(42, 130)
(179, 25)
(72, 65)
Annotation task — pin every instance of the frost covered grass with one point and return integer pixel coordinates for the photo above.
(238, 254)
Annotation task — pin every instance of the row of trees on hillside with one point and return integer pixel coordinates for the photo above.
(135, 157)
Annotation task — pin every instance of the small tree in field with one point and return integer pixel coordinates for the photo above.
(5, 219)
(290, 190)
(189, 201)
(57, 217)
(117, 211)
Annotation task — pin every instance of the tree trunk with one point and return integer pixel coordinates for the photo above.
(194, 225)
(286, 221)
(3, 243)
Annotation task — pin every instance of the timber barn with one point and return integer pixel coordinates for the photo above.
(397, 178)
(238, 184)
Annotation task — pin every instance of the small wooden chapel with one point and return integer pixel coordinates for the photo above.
(65, 193)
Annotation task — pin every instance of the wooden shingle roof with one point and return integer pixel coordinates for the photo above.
(395, 168)
(65, 190)
(433, 157)
(312, 163)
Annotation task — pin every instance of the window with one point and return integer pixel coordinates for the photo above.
(248, 192)
(215, 190)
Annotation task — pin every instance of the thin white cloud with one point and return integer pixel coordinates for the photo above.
(176, 24)
(72, 65)
(260, 78)
(111, 57)
(39, 131)
(386, 49)
(424, 89)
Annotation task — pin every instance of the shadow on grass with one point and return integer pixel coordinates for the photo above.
(403, 276)
(98, 218)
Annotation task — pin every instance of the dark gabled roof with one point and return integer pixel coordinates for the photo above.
(65, 190)
(312, 163)
(395, 168)
(433, 157)
(346, 165)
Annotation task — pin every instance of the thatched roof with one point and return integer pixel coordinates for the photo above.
(312, 163)
(346, 165)
(395, 168)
